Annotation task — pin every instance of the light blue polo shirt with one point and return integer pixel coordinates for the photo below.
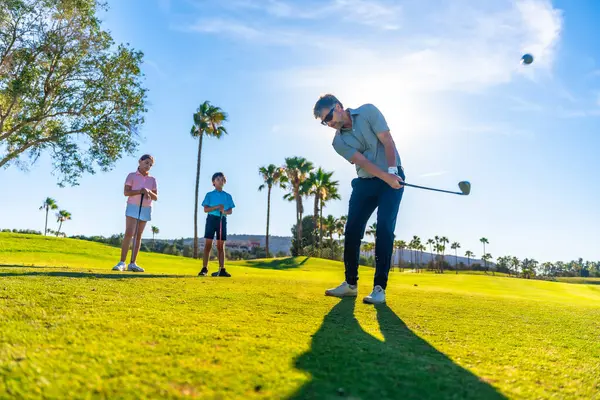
(367, 122)
(215, 198)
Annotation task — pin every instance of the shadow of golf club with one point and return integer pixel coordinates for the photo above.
(89, 275)
(347, 362)
(279, 264)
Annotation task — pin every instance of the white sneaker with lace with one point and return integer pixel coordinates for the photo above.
(344, 290)
(377, 296)
(119, 267)
(133, 267)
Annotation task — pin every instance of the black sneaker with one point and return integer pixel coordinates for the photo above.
(204, 272)
(222, 273)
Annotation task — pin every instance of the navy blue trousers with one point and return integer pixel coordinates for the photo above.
(367, 195)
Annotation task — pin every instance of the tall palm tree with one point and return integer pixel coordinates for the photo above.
(314, 187)
(272, 175)
(400, 245)
(444, 241)
(340, 226)
(155, 231)
(329, 224)
(515, 262)
(417, 247)
(469, 254)
(430, 242)
(455, 246)
(368, 247)
(296, 171)
(208, 120)
(62, 216)
(329, 191)
(48, 204)
(486, 257)
(484, 241)
(372, 231)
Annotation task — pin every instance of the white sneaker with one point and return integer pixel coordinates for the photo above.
(377, 296)
(135, 268)
(344, 290)
(119, 267)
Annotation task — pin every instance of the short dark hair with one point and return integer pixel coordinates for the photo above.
(326, 101)
(146, 156)
(218, 175)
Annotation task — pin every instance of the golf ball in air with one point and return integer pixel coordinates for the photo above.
(527, 59)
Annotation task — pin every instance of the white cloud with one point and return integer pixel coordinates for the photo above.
(382, 14)
(525, 105)
(444, 46)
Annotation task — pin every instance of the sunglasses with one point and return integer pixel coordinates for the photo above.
(328, 117)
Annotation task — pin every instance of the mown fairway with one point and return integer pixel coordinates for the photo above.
(71, 328)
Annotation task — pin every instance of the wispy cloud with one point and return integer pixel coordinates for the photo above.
(154, 65)
(382, 14)
(525, 105)
(426, 50)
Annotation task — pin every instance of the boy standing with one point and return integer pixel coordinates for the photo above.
(217, 204)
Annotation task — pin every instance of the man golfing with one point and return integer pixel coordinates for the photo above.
(363, 138)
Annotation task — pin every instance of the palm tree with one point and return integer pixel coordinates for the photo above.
(296, 172)
(315, 185)
(340, 226)
(455, 246)
(486, 257)
(430, 242)
(401, 245)
(444, 241)
(62, 216)
(372, 231)
(413, 246)
(48, 204)
(271, 175)
(368, 247)
(416, 242)
(328, 192)
(469, 254)
(155, 231)
(330, 226)
(515, 263)
(484, 241)
(208, 120)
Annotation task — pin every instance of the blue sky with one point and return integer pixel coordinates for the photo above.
(446, 75)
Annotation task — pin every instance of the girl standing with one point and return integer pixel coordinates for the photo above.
(141, 190)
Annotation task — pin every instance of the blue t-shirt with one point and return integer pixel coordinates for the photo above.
(215, 198)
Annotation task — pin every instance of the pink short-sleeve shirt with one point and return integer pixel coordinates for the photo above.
(138, 181)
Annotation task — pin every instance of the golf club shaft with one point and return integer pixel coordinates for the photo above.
(137, 223)
(427, 188)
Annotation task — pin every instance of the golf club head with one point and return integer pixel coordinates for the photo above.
(465, 187)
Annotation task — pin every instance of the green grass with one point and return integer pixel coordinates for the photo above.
(82, 331)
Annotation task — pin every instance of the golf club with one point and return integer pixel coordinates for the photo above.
(219, 238)
(464, 186)
(137, 222)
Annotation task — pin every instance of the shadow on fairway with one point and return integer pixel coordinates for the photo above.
(347, 362)
(88, 275)
(285, 263)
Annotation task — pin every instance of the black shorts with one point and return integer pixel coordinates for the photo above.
(213, 227)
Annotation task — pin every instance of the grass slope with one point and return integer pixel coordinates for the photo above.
(82, 331)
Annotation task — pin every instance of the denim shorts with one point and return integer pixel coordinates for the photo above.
(133, 210)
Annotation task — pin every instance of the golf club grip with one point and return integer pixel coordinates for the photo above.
(432, 189)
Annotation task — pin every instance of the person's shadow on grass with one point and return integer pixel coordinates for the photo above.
(347, 362)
